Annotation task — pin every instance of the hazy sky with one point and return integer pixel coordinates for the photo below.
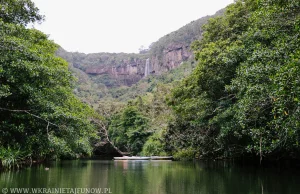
(91, 26)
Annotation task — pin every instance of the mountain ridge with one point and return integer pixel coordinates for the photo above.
(165, 54)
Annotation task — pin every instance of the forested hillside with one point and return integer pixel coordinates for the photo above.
(183, 36)
(243, 97)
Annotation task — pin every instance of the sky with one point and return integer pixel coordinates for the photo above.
(92, 26)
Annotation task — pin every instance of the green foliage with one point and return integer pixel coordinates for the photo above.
(19, 12)
(196, 101)
(241, 99)
(286, 94)
(154, 106)
(11, 156)
(154, 146)
(266, 110)
(185, 154)
(128, 130)
(139, 125)
(39, 111)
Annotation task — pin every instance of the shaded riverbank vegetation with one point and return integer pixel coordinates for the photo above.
(40, 117)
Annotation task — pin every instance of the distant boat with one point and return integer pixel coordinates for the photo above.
(132, 158)
(144, 158)
(161, 157)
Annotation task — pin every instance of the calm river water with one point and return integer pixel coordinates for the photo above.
(149, 177)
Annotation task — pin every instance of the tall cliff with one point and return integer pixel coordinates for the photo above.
(117, 69)
(112, 69)
(171, 57)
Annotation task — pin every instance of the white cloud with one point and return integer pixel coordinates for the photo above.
(117, 25)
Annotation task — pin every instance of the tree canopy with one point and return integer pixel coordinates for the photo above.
(39, 115)
(242, 98)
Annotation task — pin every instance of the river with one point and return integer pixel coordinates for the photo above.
(149, 177)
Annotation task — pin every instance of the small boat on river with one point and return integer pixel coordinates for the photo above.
(132, 158)
(144, 158)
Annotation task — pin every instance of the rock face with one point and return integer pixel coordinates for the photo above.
(124, 73)
(123, 69)
(173, 56)
(128, 73)
(127, 69)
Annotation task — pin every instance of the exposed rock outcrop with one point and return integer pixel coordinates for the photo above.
(173, 56)
(131, 72)
(127, 69)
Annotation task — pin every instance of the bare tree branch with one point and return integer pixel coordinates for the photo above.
(104, 131)
(38, 117)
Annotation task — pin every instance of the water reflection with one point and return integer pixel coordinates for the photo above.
(155, 177)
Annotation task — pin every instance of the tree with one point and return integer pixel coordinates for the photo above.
(242, 98)
(40, 116)
(128, 130)
(19, 12)
(201, 97)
